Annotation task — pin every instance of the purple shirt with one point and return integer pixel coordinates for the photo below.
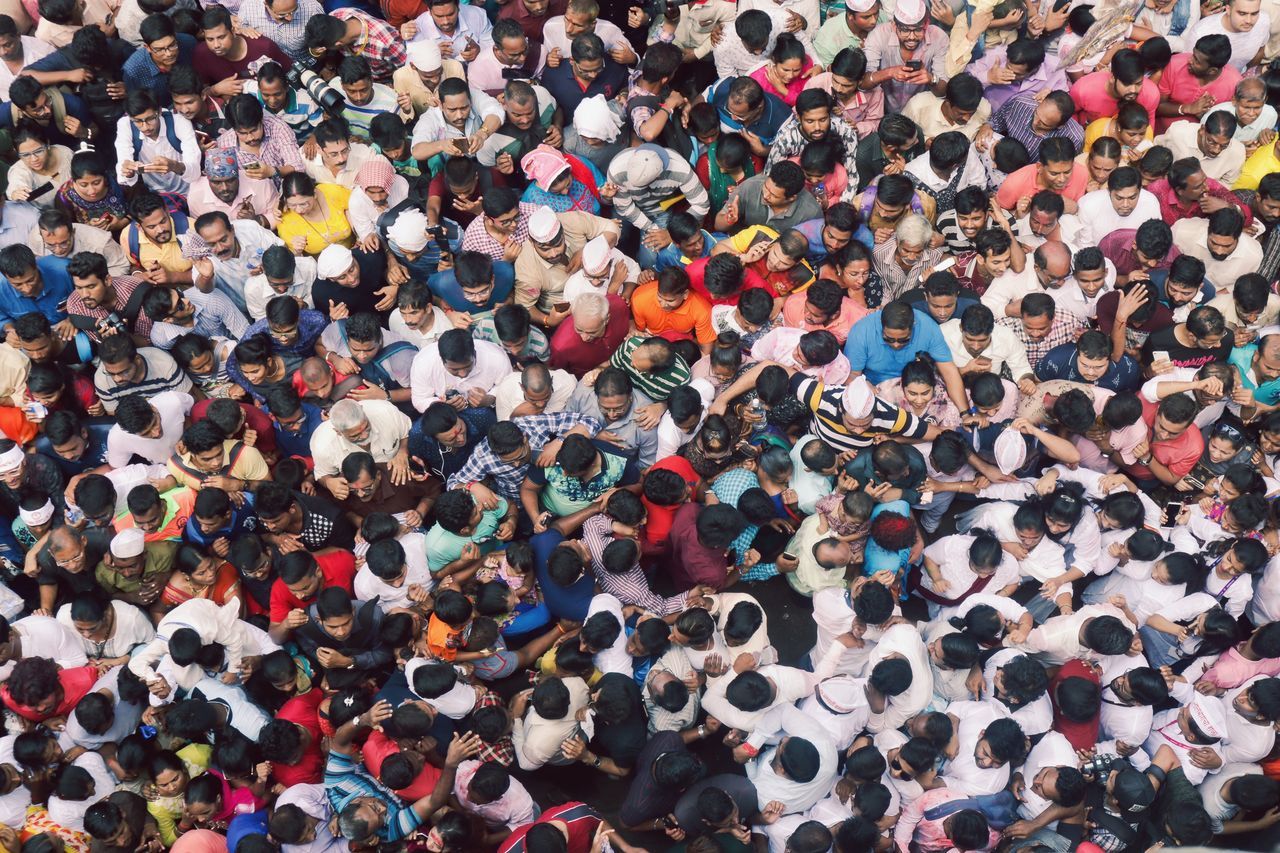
(1047, 78)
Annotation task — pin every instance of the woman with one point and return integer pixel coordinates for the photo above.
(893, 545)
(199, 575)
(716, 448)
(561, 182)
(1145, 578)
(788, 69)
(959, 566)
(1131, 127)
(40, 166)
(91, 195)
(1103, 159)
(920, 391)
(256, 366)
(726, 163)
(1193, 627)
(824, 174)
(850, 267)
(378, 189)
(168, 775)
(315, 215)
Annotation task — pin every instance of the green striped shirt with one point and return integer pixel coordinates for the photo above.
(656, 385)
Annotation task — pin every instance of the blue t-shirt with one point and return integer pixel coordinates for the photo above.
(569, 602)
(1060, 363)
(299, 443)
(870, 355)
(243, 520)
(253, 823)
(766, 127)
(95, 449)
(57, 289)
(445, 285)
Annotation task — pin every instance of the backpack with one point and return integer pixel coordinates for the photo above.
(166, 117)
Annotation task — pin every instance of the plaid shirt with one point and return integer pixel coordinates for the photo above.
(279, 145)
(504, 750)
(290, 36)
(123, 286)
(630, 587)
(476, 239)
(507, 478)
(346, 780)
(379, 42)
(1067, 326)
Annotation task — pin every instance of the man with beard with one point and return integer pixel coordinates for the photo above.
(527, 123)
(1220, 243)
(57, 236)
(1122, 204)
(176, 313)
(103, 304)
(235, 254)
(550, 255)
(814, 121)
(1100, 93)
(151, 241)
(264, 143)
(359, 345)
(1187, 192)
(461, 122)
(17, 52)
(1264, 205)
(225, 56)
(224, 189)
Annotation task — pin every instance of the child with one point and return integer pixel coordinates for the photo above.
(390, 138)
(847, 516)
(514, 567)
(447, 628)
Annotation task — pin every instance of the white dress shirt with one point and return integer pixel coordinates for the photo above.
(905, 641)
(430, 381)
(257, 293)
(615, 658)
(1003, 350)
(161, 182)
(1191, 236)
(1052, 750)
(797, 796)
(553, 36)
(173, 408)
(962, 773)
(473, 25)
(1098, 216)
(508, 393)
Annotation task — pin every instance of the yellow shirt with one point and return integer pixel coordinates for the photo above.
(1260, 164)
(169, 256)
(335, 228)
(406, 81)
(249, 465)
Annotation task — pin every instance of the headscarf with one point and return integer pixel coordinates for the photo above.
(221, 164)
(200, 841)
(544, 165)
(594, 120)
(361, 211)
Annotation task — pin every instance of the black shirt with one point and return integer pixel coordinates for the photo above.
(1179, 353)
(324, 525)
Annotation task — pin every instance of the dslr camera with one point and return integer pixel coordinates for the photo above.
(303, 76)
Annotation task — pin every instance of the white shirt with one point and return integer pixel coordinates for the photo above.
(430, 381)
(13, 805)
(536, 739)
(514, 808)
(1046, 560)
(473, 24)
(232, 276)
(70, 813)
(1265, 606)
(173, 408)
(810, 486)
(1058, 639)
(1052, 750)
(244, 716)
(508, 393)
(1182, 138)
(431, 126)
(553, 36)
(33, 50)
(46, 637)
(1165, 731)
(1220, 811)
(962, 773)
(1073, 298)
(150, 149)
(1098, 216)
(439, 325)
(1244, 46)
(670, 437)
(314, 803)
(1036, 717)
(951, 553)
(257, 293)
(1245, 740)
(132, 629)
(370, 587)
(615, 658)
(1003, 349)
(1193, 234)
(577, 284)
(388, 430)
(791, 684)
(903, 640)
(797, 796)
(844, 728)
(1010, 286)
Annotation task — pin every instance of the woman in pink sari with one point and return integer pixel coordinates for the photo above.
(787, 70)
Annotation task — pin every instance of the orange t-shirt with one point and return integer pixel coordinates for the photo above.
(691, 320)
(1023, 183)
(443, 640)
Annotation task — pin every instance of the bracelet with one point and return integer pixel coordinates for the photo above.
(749, 749)
(702, 731)
(1180, 106)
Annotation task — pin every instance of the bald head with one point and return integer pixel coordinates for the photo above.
(1054, 257)
(314, 369)
(65, 538)
(536, 377)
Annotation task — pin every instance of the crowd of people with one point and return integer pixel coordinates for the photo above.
(568, 426)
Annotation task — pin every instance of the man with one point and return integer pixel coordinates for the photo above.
(598, 324)
(909, 37)
(745, 107)
(513, 56)
(362, 98)
(16, 53)
(1089, 360)
(124, 369)
(64, 119)
(103, 304)
(1220, 243)
(626, 414)
(848, 30)
(1202, 339)
(235, 251)
(535, 390)
(979, 346)
(993, 255)
(351, 31)
(963, 108)
(1010, 71)
(152, 243)
(267, 144)
(1123, 204)
(1049, 270)
(458, 370)
(283, 22)
(359, 345)
(1032, 120)
(1187, 192)
(1211, 142)
(460, 32)
(814, 121)
(532, 16)
(41, 286)
(292, 106)
(176, 313)
(777, 199)
(542, 267)
(583, 17)
(164, 48)
(881, 344)
(1264, 205)
(529, 118)
(590, 71)
(1259, 368)
(1195, 81)
(670, 308)
(57, 236)
(648, 174)
(224, 55)
(463, 113)
(901, 261)
(1244, 24)
(372, 426)
(1174, 447)
(505, 456)
(223, 188)
(157, 145)
(1101, 92)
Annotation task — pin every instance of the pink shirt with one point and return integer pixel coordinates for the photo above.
(1092, 101)
(1023, 183)
(850, 313)
(780, 345)
(1232, 669)
(262, 195)
(1122, 440)
(916, 832)
(1181, 87)
(761, 76)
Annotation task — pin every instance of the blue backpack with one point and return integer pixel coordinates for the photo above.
(166, 118)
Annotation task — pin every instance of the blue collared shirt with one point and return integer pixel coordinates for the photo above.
(57, 288)
(140, 71)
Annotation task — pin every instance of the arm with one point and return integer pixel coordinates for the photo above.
(461, 748)
(955, 384)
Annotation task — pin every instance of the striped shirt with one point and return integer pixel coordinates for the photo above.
(216, 316)
(160, 373)
(641, 205)
(656, 385)
(828, 417)
(345, 780)
(631, 586)
(507, 477)
(1014, 119)
(290, 36)
(359, 116)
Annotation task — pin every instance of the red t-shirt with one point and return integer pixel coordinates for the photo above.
(1080, 735)
(579, 818)
(338, 568)
(254, 419)
(660, 518)
(76, 683)
(303, 710)
(750, 278)
(1179, 454)
(570, 352)
(376, 750)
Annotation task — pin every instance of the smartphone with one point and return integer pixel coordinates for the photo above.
(561, 306)
(1171, 512)
(945, 264)
(914, 64)
(39, 191)
(789, 556)
(1160, 355)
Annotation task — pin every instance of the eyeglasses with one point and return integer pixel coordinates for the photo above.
(33, 154)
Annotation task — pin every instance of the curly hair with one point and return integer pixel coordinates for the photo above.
(893, 531)
(33, 680)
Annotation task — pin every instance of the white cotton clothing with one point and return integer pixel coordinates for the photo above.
(537, 740)
(509, 394)
(1098, 216)
(1036, 717)
(1219, 810)
(903, 640)
(1244, 46)
(797, 796)
(1052, 750)
(132, 629)
(1047, 560)
(791, 685)
(257, 292)
(46, 637)
(125, 722)
(70, 813)
(615, 658)
(1165, 731)
(173, 408)
(370, 587)
(951, 553)
(843, 727)
(1058, 639)
(188, 154)
(1245, 740)
(431, 382)
(962, 773)
(439, 325)
(388, 432)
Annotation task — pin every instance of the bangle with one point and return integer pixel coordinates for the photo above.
(749, 749)
(702, 731)
(1180, 106)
